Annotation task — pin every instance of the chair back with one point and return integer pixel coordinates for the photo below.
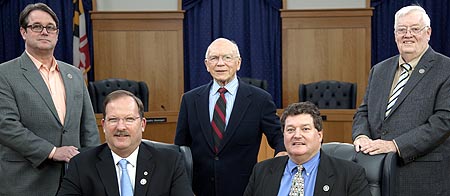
(255, 82)
(380, 169)
(184, 150)
(329, 94)
(98, 90)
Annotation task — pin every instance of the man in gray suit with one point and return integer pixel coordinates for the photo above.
(46, 115)
(406, 109)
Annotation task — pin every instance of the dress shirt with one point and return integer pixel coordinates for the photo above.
(230, 96)
(309, 175)
(55, 85)
(131, 166)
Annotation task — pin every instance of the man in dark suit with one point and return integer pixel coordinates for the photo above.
(45, 111)
(321, 174)
(147, 170)
(414, 120)
(224, 129)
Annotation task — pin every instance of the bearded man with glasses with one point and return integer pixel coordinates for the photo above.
(46, 115)
(406, 109)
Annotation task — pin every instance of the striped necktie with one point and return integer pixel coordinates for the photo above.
(404, 76)
(298, 183)
(219, 117)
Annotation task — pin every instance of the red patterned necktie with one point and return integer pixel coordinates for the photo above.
(218, 121)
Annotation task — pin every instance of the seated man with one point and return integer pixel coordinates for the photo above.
(125, 165)
(319, 174)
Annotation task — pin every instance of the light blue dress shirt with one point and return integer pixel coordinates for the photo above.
(230, 96)
(309, 175)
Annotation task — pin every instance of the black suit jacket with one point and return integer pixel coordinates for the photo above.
(227, 173)
(93, 173)
(340, 176)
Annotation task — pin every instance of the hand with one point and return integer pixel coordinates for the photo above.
(378, 147)
(65, 153)
(282, 153)
(361, 141)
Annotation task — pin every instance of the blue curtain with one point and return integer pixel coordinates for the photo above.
(383, 39)
(12, 44)
(255, 26)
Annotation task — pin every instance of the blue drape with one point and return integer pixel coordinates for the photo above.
(12, 44)
(383, 39)
(255, 26)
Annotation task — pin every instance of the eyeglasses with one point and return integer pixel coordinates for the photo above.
(412, 30)
(127, 120)
(225, 58)
(38, 28)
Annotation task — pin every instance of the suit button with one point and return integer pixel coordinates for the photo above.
(384, 133)
(216, 158)
(211, 179)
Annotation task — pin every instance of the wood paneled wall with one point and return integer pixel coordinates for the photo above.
(325, 45)
(142, 46)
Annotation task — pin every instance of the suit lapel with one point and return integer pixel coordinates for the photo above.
(240, 107)
(144, 171)
(387, 85)
(424, 65)
(69, 85)
(274, 176)
(202, 108)
(31, 73)
(325, 177)
(107, 171)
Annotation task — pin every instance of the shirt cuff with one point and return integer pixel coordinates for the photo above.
(52, 153)
(361, 136)
(398, 150)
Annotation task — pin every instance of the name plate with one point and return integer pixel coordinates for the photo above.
(156, 120)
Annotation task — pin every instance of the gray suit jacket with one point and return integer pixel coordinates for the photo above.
(340, 176)
(419, 122)
(30, 126)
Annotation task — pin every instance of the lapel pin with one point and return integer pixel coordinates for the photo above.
(143, 181)
(145, 173)
(69, 76)
(326, 188)
(421, 71)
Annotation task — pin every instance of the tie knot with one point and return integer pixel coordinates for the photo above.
(123, 163)
(299, 169)
(222, 90)
(406, 66)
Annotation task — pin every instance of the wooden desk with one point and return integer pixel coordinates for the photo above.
(337, 127)
(160, 126)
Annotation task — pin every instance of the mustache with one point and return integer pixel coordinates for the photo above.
(121, 133)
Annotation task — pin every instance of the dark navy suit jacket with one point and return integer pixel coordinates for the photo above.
(160, 171)
(227, 172)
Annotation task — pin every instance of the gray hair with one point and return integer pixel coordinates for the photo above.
(410, 9)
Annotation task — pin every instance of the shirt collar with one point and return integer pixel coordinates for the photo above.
(413, 62)
(39, 64)
(308, 166)
(132, 159)
(231, 87)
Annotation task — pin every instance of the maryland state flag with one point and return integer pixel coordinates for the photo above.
(81, 57)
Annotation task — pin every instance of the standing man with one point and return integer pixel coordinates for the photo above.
(46, 115)
(306, 169)
(124, 165)
(406, 109)
(223, 122)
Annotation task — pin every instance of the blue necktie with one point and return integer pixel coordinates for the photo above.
(126, 189)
